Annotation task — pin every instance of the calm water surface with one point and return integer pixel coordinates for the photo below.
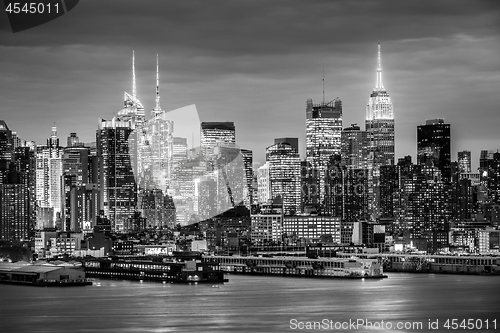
(249, 304)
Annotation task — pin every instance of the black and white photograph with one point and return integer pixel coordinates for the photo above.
(249, 166)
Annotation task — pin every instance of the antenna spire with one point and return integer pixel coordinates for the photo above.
(134, 89)
(323, 82)
(157, 107)
(379, 85)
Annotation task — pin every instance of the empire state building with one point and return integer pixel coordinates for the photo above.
(380, 121)
(380, 127)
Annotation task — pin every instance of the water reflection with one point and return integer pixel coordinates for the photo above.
(245, 304)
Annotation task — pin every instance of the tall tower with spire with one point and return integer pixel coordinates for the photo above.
(380, 120)
(156, 147)
(49, 170)
(133, 109)
(380, 127)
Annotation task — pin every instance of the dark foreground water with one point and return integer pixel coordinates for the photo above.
(256, 304)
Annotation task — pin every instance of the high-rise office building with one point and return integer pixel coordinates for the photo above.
(323, 137)
(346, 195)
(16, 140)
(380, 121)
(84, 207)
(49, 170)
(285, 176)
(416, 198)
(263, 184)
(180, 150)
(434, 146)
(292, 141)
(215, 134)
(14, 209)
(248, 190)
(116, 176)
(16, 181)
(133, 109)
(492, 178)
(355, 147)
(379, 124)
(464, 161)
(76, 173)
(25, 161)
(74, 141)
(6, 149)
(155, 147)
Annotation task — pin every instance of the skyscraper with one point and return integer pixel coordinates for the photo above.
(323, 137)
(380, 121)
(6, 149)
(355, 147)
(263, 184)
(464, 161)
(73, 140)
(155, 147)
(284, 175)
(116, 177)
(133, 109)
(434, 146)
(215, 134)
(49, 170)
(379, 124)
(248, 190)
(180, 150)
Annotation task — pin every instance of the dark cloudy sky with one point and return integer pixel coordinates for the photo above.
(256, 63)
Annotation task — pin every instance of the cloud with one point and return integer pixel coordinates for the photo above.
(255, 63)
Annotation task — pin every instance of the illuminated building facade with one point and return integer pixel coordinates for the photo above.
(6, 149)
(285, 176)
(464, 161)
(323, 137)
(346, 191)
(248, 190)
(434, 146)
(14, 212)
(416, 198)
(379, 124)
(116, 177)
(49, 171)
(263, 184)
(155, 147)
(84, 207)
(313, 228)
(180, 150)
(355, 145)
(215, 134)
(380, 121)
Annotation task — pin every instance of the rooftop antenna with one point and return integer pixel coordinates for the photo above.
(323, 83)
(157, 107)
(380, 85)
(134, 89)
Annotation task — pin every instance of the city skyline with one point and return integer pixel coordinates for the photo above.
(447, 69)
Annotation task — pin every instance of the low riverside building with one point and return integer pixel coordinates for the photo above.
(313, 227)
(44, 274)
(266, 226)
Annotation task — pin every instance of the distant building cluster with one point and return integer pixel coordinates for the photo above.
(138, 175)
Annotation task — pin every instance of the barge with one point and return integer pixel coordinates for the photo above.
(301, 267)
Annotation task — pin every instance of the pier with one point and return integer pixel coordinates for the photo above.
(452, 264)
(301, 266)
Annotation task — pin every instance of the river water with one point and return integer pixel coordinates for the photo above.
(256, 304)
